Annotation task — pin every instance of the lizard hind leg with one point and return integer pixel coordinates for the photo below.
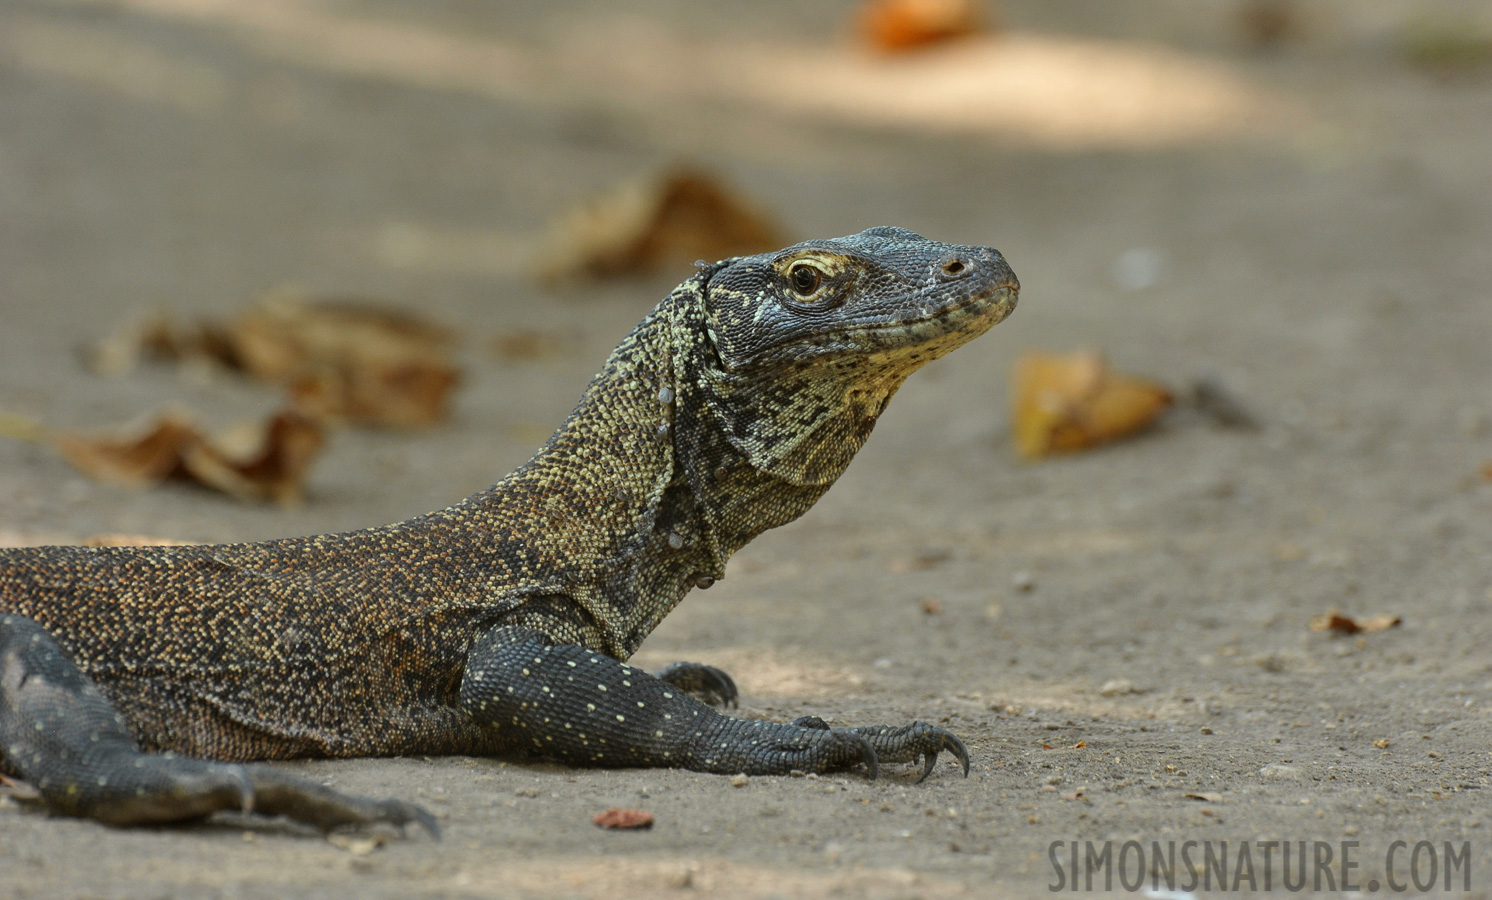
(61, 734)
(64, 737)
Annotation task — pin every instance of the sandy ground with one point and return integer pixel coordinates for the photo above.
(1312, 224)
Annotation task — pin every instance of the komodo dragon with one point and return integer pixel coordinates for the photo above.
(134, 680)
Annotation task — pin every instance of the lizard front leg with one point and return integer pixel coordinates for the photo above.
(65, 738)
(586, 708)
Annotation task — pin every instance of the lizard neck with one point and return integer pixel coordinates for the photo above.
(663, 471)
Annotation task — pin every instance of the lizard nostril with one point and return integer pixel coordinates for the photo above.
(953, 267)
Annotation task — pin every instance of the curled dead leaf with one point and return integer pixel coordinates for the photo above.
(624, 818)
(344, 360)
(646, 225)
(896, 26)
(1065, 403)
(173, 448)
(1335, 622)
(1204, 797)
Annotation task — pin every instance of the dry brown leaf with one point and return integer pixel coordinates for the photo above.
(646, 225)
(353, 361)
(348, 360)
(1064, 403)
(896, 26)
(133, 461)
(624, 818)
(409, 396)
(1206, 798)
(1336, 622)
(173, 448)
(160, 338)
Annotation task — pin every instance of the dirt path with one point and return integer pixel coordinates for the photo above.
(1143, 611)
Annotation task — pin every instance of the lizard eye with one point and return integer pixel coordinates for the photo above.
(805, 279)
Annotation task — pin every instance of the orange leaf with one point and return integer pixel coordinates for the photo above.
(624, 818)
(1336, 622)
(1064, 403)
(896, 26)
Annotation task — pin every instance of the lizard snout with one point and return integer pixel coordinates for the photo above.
(969, 262)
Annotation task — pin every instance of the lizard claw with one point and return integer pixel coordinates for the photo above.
(709, 684)
(953, 745)
(872, 762)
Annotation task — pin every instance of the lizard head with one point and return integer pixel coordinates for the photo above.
(810, 342)
(885, 297)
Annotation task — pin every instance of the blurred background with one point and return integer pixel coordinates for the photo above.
(1233, 186)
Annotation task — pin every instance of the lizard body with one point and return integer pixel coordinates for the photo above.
(501, 624)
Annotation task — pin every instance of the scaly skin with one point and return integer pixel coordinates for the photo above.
(502, 624)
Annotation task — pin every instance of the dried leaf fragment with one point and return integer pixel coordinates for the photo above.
(646, 225)
(347, 360)
(1335, 622)
(173, 448)
(1206, 798)
(896, 26)
(624, 818)
(1069, 402)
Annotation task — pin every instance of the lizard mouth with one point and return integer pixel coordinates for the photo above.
(928, 333)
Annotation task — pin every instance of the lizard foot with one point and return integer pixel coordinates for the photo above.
(277, 793)
(709, 684)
